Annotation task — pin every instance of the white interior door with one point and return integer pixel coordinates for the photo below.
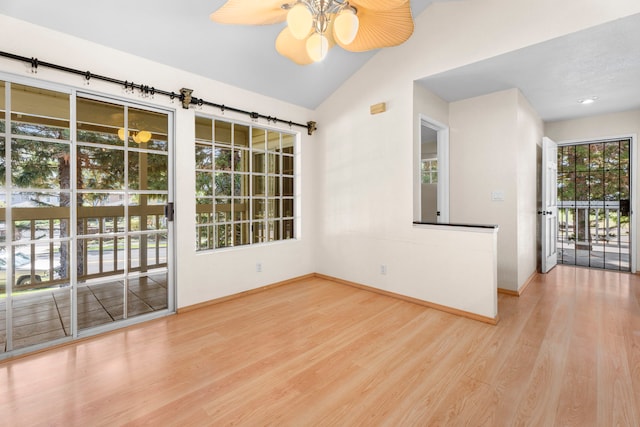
(549, 208)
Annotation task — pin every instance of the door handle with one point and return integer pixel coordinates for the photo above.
(168, 211)
(545, 212)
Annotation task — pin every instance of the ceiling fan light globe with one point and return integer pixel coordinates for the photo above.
(144, 136)
(299, 20)
(345, 27)
(317, 47)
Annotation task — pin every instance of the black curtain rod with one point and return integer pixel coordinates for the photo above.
(184, 95)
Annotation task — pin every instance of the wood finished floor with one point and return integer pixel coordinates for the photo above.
(566, 353)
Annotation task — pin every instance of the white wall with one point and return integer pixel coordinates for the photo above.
(599, 127)
(366, 166)
(483, 159)
(202, 276)
(529, 141)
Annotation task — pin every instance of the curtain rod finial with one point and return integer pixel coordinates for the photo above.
(311, 128)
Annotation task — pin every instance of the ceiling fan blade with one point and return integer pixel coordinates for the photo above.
(296, 50)
(380, 29)
(292, 48)
(378, 5)
(250, 12)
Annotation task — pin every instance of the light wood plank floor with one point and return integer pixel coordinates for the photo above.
(566, 353)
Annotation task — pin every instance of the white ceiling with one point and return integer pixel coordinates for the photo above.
(179, 33)
(602, 61)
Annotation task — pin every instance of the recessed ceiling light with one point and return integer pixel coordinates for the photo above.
(586, 101)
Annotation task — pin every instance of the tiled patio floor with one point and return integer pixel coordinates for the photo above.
(46, 315)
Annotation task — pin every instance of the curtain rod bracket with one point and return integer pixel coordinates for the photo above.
(185, 97)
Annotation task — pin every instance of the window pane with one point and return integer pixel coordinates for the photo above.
(204, 184)
(273, 141)
(241, 160)
(273, 161)
(241, 234)
(258, 231)
(223, 184)
(258, 185)
(222, 159)
(204, 237)
(288, 231)
(274, 231)
(273, 186)
(241, 209)
(287, 165)
(287, 207)
(258, 138)
(258, 162)
(223, 210)
(273, 208)
(204, 156)
(224, 236)
(288, 141)
(223, 132)
(240, 135)
(259, 208)
(287, 186)
(204, 129)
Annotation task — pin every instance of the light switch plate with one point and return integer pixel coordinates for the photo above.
(497, 196)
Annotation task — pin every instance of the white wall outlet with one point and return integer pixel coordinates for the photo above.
(383, 269)
(258, 267)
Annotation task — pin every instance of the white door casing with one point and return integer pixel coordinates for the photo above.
(549, 209)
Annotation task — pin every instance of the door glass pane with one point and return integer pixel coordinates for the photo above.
(148, 171)
(593, 219)
(39, 112)
(147, 129)
(100, 122)
(39, 164)
(100, 168)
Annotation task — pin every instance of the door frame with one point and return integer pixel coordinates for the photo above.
(171, 256)
(442, 131)
(633, 253)
(73, 92)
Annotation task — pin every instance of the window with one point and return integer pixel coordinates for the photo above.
(244, 184)
(429, 171)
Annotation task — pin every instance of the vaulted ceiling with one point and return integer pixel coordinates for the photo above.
(180, 34)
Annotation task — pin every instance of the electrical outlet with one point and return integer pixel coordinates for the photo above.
(258, 267)
(383, 269)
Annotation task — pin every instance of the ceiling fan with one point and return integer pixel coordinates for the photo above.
(315, 26)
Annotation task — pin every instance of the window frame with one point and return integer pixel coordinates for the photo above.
(219, 225)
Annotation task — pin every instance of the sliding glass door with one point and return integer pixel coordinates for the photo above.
(84, 241)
